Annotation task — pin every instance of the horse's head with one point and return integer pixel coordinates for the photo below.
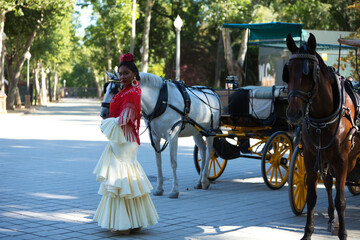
(111, 88)
(301, 75)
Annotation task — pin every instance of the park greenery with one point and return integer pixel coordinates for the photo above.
(48, 30)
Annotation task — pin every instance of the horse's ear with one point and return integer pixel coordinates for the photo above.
(290, 43)
(311, 44)
(110, 75)
(116, 75)
(285, 75)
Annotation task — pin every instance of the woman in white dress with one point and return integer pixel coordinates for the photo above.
(125, 204)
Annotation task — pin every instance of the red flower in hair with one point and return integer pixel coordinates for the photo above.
(127, 57)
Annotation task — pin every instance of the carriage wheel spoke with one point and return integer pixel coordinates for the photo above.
(281, 176)
(218, 163)
(267, 172)
(272, 174)
(214, 166)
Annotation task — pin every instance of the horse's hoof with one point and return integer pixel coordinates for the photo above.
(158, 193)
(174, 195)
(198, 186)
(205, 186)
(335, 231)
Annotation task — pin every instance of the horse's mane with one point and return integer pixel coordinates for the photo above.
(150, 79)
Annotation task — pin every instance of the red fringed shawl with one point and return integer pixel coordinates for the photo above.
(127, 106)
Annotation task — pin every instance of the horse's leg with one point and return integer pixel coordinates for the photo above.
(202, 147)
(173, 144)
(328, 182)
(160, 179)
(205, 183)
(311, 182)
(340, 201)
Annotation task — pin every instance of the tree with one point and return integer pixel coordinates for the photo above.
(351, 58)
(146, 34)
(5, 7)
(21, 32)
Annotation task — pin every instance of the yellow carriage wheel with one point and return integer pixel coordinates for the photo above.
(275, 160)
(297, 182)
(216, 166)
(355, 190)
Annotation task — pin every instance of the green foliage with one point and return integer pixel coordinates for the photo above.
(351, 58)
(57, 44)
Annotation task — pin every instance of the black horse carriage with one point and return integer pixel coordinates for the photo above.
(254, 124)
(253, 121)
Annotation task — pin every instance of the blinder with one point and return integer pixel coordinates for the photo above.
(305, 96)
(114, 90)
(285, 75)
(105, 86)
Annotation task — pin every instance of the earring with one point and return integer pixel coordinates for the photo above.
(134, 83)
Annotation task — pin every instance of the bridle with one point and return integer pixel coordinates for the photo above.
(307, 97)
(318, 124)
(105, 104)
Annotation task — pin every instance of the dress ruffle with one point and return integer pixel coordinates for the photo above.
(121, 178)
(112, 131)
(124, 185)
(122, 214)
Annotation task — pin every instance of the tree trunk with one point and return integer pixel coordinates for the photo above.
(133, 27)
(2, 24)
(229, 56)
(146, 33)
(118, 48)
(43, 94)
(97, 83)
(242, 55)
(108, 50)
(37, 84)
(55, 81)
(220, 49)
(17, 98)
(13, 69)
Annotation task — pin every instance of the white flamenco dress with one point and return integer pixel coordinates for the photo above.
(125, 188)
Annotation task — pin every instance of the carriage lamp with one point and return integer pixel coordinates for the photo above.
(27, 57)
(324, 56)
(178, 24)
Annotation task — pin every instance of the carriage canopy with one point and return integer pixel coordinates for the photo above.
(273, 34)
(274, 31)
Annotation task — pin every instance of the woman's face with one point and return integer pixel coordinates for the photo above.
(126, 76)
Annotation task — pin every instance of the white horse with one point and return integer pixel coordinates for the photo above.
(204, 112)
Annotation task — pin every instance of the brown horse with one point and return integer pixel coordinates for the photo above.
(319, 103)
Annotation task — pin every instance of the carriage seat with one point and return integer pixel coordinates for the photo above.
(261, 92)
(260, 101)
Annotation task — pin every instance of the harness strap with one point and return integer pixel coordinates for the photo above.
(318, 125)
(185, 95)
(153, 144)
(105, 105)
(161, 103)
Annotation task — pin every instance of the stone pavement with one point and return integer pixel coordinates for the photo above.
(48, 191)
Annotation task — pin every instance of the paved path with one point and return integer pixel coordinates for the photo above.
(48, 191)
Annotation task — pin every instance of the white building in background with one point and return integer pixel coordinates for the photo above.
(272, 60)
